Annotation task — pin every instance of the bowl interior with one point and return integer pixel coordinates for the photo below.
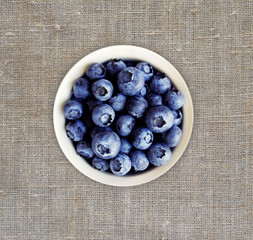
(129, 53)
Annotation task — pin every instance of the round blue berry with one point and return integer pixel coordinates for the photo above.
(106, 145)
(125, 124)
(81, 88)
(147, 70)
(173, 136)
(100, 164)
(159, 154)
(130, 81)
(125, 146)
(84, 149)
(103, 115)
(142, 138)
(159, 119)
(136, 106)
(118, 102)
(139, 160)
(154, 99)
(76, 130)
(96, 71)
(102, 89)
(174, 100)
(120, 165)
(114, 67)
(160, 83)
(73, 110)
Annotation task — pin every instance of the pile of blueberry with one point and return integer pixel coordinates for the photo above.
(124, 115)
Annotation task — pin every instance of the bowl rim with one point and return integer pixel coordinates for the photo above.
(128, 52)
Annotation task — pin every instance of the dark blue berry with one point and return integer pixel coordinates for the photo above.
(106, 145)
(81, 88)
(139, 160)
(120, 165)
(136, 106)
(73, 109)
(173, 136)
(130, 81)
(100, 164)
(96, 71)
(84, 149)
(142, 138)
(118, 101)
(154, 99)
(124, 125)
(103, 115)
(102, 89)
(76, 130)
(159, 118)
(114, 67)
(159, 154)
(160, 83)
(174, 100)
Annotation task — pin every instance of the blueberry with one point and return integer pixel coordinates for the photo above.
(73, 109)
(118, 101)
(125, 146)
(142, 138)
(102, 89)
(142, 92)
(160, 83)
(84, 149)
(114, 67)
(173, 136)
(120, 165)
(178, 117)
(154, 99)
(98, 130)
(103, 115)
(130, 81)
(159, 119)
(106, 145)
(174, 100)
(96, 71)
(100, 164)
(92, 103)
(136, 106)
(76, 130)
(125, 124)
(81, 88)
(147, 70)
(139, 160)
(159, 154)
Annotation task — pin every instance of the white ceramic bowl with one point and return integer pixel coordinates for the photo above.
(130, 53)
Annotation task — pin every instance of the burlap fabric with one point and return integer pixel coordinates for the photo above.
(206, 195)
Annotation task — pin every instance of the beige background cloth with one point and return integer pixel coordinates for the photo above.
(206, 195)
